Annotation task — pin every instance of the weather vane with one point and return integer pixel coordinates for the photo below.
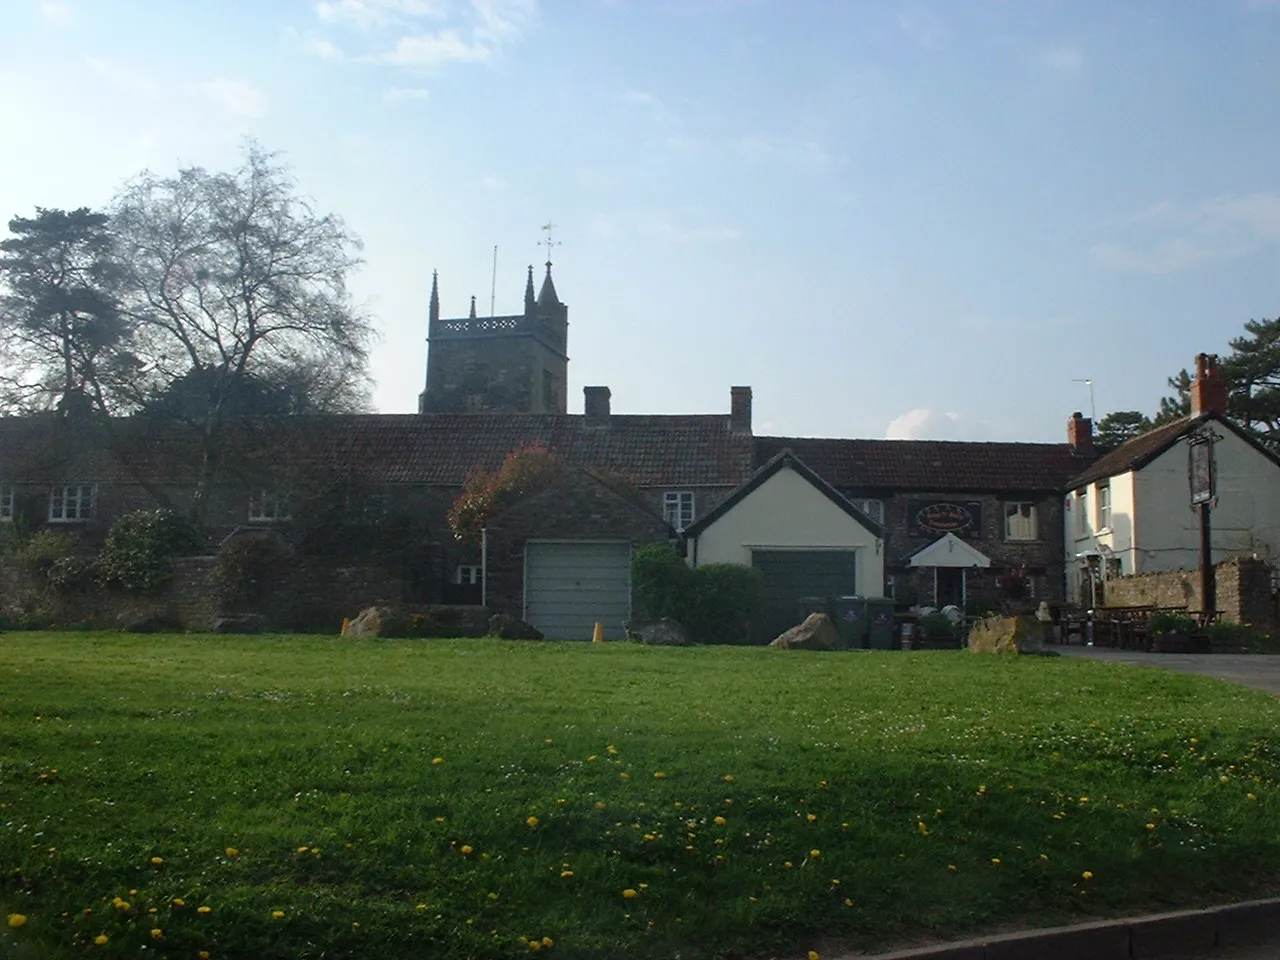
(549, 243)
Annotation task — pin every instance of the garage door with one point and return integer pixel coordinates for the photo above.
(788, 575)
(568, 587)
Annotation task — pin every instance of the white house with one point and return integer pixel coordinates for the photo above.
(1131, 511)
(802, 535)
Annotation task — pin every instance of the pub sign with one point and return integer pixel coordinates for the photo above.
(928, 518)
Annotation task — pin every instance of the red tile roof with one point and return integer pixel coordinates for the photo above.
(932, 464)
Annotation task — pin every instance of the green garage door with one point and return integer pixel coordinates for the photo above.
(789, 575)
(569, 587)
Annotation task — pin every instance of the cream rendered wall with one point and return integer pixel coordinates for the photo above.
(1245, 521)
(787, 511)
(1119, 536)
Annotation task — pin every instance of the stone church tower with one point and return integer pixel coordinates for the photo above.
(512, 364)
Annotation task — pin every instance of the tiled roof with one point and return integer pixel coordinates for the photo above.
(932, 464)
(1141, 450)
(438, 449)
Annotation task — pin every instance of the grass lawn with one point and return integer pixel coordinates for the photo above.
(308, 796)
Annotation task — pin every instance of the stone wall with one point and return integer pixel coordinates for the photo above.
(1244, 592)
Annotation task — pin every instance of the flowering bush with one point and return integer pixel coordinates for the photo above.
(485, 494)
(141, 546)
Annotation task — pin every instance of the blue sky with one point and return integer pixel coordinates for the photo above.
(889, 218)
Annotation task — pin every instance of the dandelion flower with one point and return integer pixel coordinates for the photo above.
(277, 914)
(420, 906)
(303, 849)
(436, 761)
(719, 821)
(625, 775)
(1251, 796)
(179, 902)
(532, 821)
(813, 955)
(157, 933)
(548, 942)
(952, 867)
(812, 817)
(203, 955)
(996, 861)
(600, 804)
(1151, 826)
(922, 827)
(629, 894)
(315, 851)
(101, 939)
(204, 911)
(1088, 874)
(659, 775)
(728, 778)
(466, 849)
(982, 788)
(493, 896)
(566, 874)
(786, 864)
(611, 750)
(815, 853)
(17, 921)
(121, 905)
(232, 852)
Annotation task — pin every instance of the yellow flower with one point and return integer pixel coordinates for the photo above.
(232, 852)
(277, 914)
(815, 853)
(535, 945)
(121, 905)
(982, 789)
(101, 939)
(728, 778)
(157, 861)
(566, 874)
(157, 933)
(629, 894)
(659, 775)
(922, 827)
(611, 750)
(17, 921)
(996, 861)
(204, 911)
(786, 864)
(600, 804)
(437, 760)
(952, 867)
(1251, 796)
(421, 906)
(203, 955)
(1088, 874)
(813, 955)
(719, 821)
(1151, 826)
(493, 896)
(303, 849)
(466, 849)
(812, 817)
(315, 851)
(590, 758)
(625, 775)
(179, 902)
(532, 821)
(548, 942)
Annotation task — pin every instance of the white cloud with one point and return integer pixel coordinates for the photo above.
(1172, 236)
(236, 96)
(1064, 60)
(58, 14)
(925, 424)
(370, 14)
(430, 49)
(503, 21)
(123, 79)
(404, 94)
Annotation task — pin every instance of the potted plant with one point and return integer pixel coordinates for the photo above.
(1170, 632)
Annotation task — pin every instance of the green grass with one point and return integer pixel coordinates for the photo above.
(866, 797)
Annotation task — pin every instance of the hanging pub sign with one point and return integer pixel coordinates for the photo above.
(1200, 468)
(931, 517)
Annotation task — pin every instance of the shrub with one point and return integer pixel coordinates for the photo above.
(727, 600)
(663, 582)
(485, 494)
(71, 573)
(1224, 633)
(141, 546)
(42, 550)
(1169, 621)
(249, 569)
(937, 626)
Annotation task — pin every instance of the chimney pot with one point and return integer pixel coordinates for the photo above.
(740, 409)
(596, 404)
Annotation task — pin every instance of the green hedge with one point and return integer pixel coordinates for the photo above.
(717, 603)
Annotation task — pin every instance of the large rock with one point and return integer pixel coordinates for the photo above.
(663, 632)
(1008, 635)
(512, 628)
(816, 633)
(239, 623)
(368, 623)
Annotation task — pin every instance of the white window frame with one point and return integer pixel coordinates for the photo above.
(7, 499)
(1082, 513)
(871, 507)
(1104, 506)
(72, 502)
(469, 573)
(678, 508)
(1017, 527)
(268, 506)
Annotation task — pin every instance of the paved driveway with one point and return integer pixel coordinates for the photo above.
(1260, 671)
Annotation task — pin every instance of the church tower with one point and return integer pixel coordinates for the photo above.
(509, 364)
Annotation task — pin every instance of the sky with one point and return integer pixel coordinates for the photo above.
(890, 218)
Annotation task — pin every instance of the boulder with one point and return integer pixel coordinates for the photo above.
(368, 623)
(816, 633)
(663, 632)
(508, 627)
(239, 623)
(1008, 635)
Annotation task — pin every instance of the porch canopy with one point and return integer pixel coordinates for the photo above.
(948, 551)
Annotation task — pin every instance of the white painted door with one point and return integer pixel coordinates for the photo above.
(569, 586)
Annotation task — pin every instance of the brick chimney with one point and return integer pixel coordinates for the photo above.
(1208, 389)
(1080, 435)
(740, 409)
(596, 404)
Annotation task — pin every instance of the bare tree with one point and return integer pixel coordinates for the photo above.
(233, 279)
